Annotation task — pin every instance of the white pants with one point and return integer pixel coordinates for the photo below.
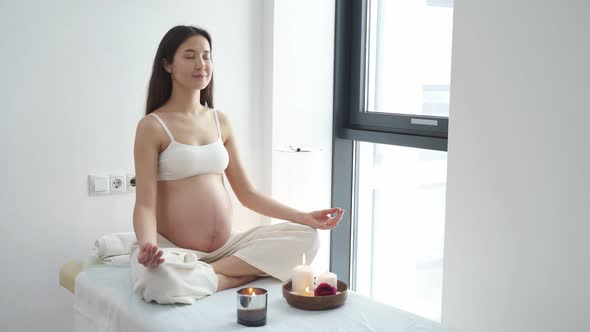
(185, 276)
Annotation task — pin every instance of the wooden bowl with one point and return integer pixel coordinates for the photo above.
(316, 302)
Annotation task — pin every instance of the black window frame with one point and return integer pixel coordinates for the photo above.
(352, 123)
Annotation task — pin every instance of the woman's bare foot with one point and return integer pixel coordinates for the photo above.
(225, 282)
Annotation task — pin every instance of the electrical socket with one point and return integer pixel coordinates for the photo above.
(118, 183)
(130, 183)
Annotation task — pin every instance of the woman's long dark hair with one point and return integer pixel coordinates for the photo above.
(160, 88)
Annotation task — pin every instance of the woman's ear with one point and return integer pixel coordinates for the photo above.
(166, 66)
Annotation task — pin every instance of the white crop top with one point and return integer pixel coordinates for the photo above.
(180, 161)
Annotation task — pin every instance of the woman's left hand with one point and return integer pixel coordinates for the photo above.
(322, 219)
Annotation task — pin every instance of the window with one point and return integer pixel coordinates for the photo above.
(392, 83)
(400, 226)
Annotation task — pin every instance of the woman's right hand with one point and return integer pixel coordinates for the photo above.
(150, 255)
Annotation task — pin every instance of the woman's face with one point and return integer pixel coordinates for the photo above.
(192, 66)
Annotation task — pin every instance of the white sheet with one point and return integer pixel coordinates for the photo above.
(104, 301)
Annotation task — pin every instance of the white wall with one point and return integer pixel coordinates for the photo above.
(73, 86)
(518, 219)
(302, 92)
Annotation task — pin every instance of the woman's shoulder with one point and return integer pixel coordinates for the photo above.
(147, 122)
(148, 125)
(224, 124)
(222, 116)
(150, 119)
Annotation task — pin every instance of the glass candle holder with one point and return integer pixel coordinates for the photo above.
(252, 304)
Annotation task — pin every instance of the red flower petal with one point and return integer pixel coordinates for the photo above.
(324, 289)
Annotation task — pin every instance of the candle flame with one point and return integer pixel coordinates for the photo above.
(303, 258)
(307, 292)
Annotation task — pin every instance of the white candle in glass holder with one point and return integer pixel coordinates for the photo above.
(327, 277)
(302, 278)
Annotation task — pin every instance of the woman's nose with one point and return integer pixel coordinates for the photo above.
(199, 63)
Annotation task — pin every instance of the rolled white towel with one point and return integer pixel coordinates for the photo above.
(115, 244)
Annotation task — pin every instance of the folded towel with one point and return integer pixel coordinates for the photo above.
(109, 247)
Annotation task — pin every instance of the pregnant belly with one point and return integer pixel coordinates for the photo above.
(195, 213)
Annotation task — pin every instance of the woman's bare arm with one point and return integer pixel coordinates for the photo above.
(144, 215)
(260, 203)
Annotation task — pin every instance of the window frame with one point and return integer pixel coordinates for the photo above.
(351, 123)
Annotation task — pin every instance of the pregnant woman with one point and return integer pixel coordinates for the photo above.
(183, 215)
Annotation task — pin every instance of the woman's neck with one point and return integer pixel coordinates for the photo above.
(185, 101)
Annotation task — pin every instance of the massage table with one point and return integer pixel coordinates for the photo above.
(105, 301)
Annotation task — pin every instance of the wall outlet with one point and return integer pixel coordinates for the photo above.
(130, 183)
(118, 183)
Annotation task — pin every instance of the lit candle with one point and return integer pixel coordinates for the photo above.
(329, 278)
(252, 303)
(302, 278)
